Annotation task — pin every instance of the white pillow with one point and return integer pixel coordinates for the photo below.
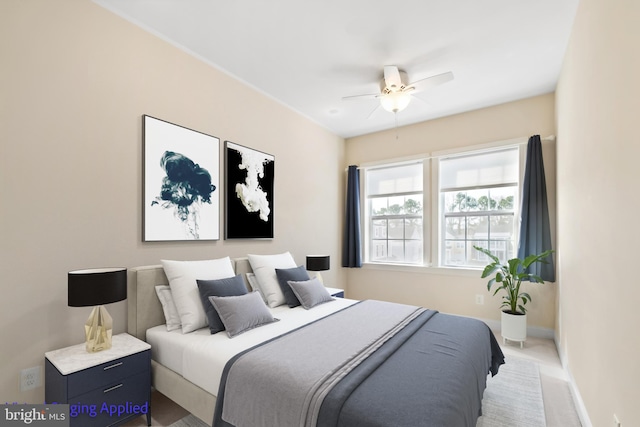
(253, 282)
(264, 267)
(182, 277)
(171, 316)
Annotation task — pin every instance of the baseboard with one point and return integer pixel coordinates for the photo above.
(575, 393)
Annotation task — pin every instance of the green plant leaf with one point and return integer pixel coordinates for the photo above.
(508, 278)
(487, 253)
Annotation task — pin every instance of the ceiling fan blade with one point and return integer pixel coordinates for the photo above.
(359, 97)
(373, 111)
(430, 82)
(392, 77)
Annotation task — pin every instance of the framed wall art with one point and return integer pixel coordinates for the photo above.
(181, 174)
(248, 193)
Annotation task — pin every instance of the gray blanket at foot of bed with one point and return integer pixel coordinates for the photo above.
(429, 371)
(433, 373)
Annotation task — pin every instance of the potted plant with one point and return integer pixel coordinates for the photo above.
(509, 277)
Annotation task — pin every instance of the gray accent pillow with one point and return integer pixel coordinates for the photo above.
(242, 313)
(297, 274)
(231, 286)
(310, 292)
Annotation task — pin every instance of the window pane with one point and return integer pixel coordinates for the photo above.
(454, 252)
(379, 229)
(396, 251)
(479, 203)
(477, 258)
(378, 251)
(502, 227)
(413, 252)
(413, 205)
(478, 227)
(396, 228)
(455, 228)
(378, 206)
(503, 198)
(395, 212)
(396, 205)
(474, 198)
(413, 229)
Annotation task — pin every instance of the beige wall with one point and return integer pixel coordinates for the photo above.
(445, 289)
(598, 106)
(74, 82)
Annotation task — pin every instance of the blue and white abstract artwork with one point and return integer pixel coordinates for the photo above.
(181, 183)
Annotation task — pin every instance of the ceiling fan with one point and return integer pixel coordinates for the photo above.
(395, 91)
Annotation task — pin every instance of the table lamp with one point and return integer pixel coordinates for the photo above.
(95, 287)
(318, 263)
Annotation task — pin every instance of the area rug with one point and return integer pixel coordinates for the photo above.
(513, 398)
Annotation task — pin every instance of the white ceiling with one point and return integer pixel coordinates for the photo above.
(308, 54)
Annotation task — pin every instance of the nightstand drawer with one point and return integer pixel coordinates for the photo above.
(336, 292)
(100, 407)
(108, 373)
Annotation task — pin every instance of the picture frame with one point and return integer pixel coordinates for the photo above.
(249, 190)
(181, 183)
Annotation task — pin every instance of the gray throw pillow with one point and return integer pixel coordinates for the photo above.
(310, 292)
(231, 286)
(297, 274)
(242, 313)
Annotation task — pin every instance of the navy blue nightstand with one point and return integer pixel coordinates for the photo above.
(107, 388)
(336, 292)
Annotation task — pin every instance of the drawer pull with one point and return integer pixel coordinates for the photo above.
(115, 365)
(112, 388)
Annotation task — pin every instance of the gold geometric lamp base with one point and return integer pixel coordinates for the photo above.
(98, 330)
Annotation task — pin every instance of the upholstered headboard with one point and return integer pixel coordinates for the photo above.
(143, 307)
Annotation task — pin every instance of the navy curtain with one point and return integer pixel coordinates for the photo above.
(535, 232)
(351, 253)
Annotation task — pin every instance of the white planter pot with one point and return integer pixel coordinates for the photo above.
(514, 327)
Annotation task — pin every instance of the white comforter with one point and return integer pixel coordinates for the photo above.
(200, 357)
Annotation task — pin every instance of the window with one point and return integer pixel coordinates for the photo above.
(432, 211)
(394, 213)
(478, 206)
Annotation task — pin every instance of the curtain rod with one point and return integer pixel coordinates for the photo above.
(497, 144)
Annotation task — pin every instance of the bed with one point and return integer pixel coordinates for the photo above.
(380, 384)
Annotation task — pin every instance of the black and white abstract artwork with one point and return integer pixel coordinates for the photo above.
(181, 183)
(249, 193)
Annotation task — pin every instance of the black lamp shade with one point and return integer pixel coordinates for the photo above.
(317, 262)
(97, 286)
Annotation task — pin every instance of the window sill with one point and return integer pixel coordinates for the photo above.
(425, 269)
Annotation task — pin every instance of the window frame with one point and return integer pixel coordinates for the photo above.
(432, 218)
(368, 219)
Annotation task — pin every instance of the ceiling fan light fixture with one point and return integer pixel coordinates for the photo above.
(395, 101)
